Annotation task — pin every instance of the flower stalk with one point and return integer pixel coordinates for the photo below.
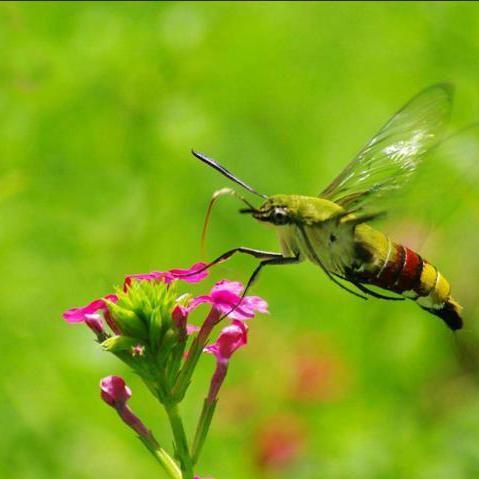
(164, 459)
(182, 451)
(202, 429)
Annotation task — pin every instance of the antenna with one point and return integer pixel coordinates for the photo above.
(225, 172)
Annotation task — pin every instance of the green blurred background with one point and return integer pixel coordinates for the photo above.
(100, 104)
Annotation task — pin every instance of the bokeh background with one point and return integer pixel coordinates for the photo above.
(100, 104)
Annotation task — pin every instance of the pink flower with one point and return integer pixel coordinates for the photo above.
(191, 275)
(231, 338)
(92, 315)
(116, 394)
(225, 296)
(138, 350)
(82, 314)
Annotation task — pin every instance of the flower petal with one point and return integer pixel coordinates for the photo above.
(255, 303)
(192, 328)
(234, 287)
(153, 276)
(195, 302)
(231, 338)
(79, 315)
(191, 275)
(111, 297)
(225, 296)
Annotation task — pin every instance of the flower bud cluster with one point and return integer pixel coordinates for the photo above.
(149, 339)
(145, 324)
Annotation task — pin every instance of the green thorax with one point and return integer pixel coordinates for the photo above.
(304, 209)
(338, 243)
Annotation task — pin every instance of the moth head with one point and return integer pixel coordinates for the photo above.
(274, 210)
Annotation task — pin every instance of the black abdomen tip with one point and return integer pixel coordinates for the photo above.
(450, 314)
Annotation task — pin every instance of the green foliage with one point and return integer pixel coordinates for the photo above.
(100, 105)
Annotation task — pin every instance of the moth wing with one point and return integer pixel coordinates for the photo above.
(391, 157)
(442, 192)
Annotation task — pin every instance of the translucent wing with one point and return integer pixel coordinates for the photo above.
(442, 189)
(391, 157)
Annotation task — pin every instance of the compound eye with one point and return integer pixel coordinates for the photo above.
(279, 216)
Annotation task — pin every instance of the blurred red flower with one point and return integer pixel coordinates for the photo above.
(279, 442)
(320, 373)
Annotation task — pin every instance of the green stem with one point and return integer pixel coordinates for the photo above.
(181, 442)
(165, 460)
(202, 428)
(194, 353)
(184, 376)
(175, 363)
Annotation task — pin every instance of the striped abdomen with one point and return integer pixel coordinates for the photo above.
(404, 271)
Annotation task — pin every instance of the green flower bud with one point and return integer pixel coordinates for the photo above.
(116, 344)
(128, 321)
(144, 312)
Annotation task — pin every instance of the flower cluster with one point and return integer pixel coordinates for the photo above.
(146, 324)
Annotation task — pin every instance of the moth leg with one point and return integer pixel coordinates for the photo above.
(256, 253)
(268, 262)
(280, 260)
(364, 289)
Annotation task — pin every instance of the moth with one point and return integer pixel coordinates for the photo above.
(332, 229)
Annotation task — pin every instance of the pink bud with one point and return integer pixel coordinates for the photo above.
(230, 339)
(180, 315)
(116, 393)
(95, 323)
